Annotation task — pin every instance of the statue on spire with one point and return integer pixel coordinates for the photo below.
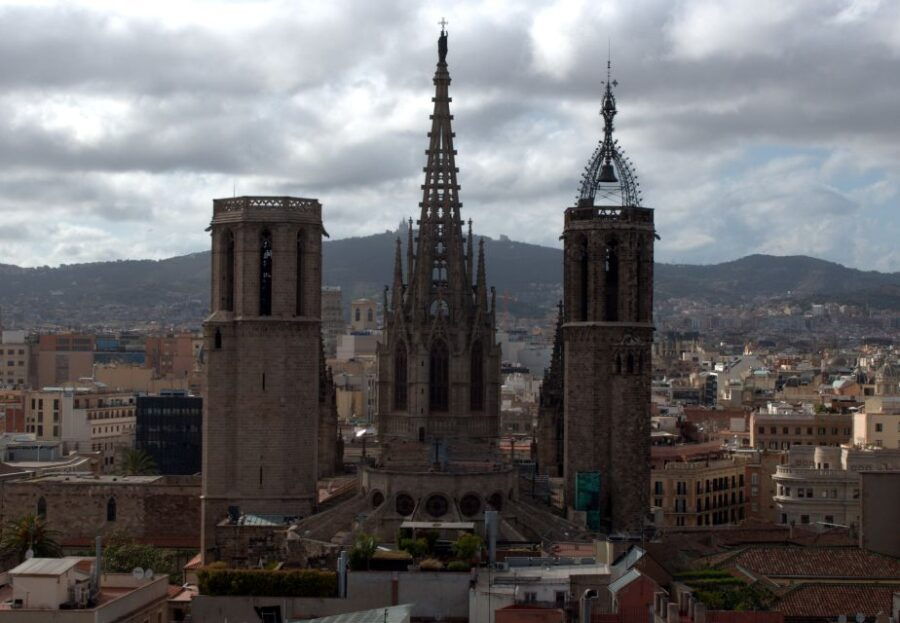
(442, 42)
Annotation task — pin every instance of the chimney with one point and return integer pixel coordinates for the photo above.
(490, 528)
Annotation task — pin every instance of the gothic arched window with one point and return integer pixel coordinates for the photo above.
(42, 508)
(217, 339)
(299, 302)
(370, 315)
(228, 273)
(629, 366)
(111, 509)
(476, 372)
(583, 277)
(439, 377)
(265, 274)
(400, 377)
(611, 283)
(357, 314)
(639, 284)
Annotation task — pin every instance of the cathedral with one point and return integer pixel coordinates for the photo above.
(270, 426)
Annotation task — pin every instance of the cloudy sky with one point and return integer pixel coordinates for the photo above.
(756, 126)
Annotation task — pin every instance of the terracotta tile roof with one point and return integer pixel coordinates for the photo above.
(814, 562)
(831, 600)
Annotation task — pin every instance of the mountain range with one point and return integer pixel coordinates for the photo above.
(175, 291)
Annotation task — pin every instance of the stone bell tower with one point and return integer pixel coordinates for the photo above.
(262, 353)
(608, 332)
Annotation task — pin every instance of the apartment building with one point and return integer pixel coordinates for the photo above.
(879, 423)
(15, 356)
(780, 426)
(700, 493)
(820, 485)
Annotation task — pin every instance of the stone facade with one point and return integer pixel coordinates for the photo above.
(262, 346)
(159, 510)
(608, 333)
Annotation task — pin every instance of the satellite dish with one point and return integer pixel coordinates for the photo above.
(860, 617)
(148, 574)
(137, 573)
(29, 554)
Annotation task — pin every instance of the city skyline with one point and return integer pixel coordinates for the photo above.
(736, 116)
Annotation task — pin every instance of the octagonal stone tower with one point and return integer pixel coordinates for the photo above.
(262, 354)
(607, 332)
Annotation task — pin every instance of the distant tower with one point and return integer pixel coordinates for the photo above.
(262, 345)
(608, 331)
(551, 429)
(439, 364)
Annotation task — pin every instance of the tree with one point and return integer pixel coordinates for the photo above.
(29, 532)
(467, 546)
(134, 462)
(363, 549)
(122, 558)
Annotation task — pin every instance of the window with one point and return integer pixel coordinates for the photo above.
(439, 377)
(400, 380)
(658, 487)
(856, 494)
(773, 429)
(611, 283)
(829, 518)
(42, 508)
(228, 273)
(370, 315)
(265, 274)
(298, 299)
(804, 519)
(476, 372)
(358, 315)
(111, 509)
(879, 428)
(583, 279)
(762, 430)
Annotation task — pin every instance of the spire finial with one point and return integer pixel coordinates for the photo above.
(442, 42)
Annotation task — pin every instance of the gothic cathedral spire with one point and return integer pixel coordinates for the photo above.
(439, 364)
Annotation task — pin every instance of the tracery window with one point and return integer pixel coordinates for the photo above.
(439, 377)
(400, 377)
(476, 371)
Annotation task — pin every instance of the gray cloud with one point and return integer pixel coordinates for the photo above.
(763, 127)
